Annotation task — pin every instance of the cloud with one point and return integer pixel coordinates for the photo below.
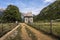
(34, 6)
(49, 0)
(34, 11)
(20, 4)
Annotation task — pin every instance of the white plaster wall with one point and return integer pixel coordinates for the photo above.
(31, 20)
(26, 20)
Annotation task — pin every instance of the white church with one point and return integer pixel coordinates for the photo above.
(28, 17)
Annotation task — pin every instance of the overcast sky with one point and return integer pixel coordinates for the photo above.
(34, 6)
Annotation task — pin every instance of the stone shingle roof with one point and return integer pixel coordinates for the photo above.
(28, 14)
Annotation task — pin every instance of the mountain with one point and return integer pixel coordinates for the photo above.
(1, 12)
(51, 12)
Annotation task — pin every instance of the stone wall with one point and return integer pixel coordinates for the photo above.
(10, 35)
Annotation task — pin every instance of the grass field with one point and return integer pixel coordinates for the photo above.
(45, 26)
(6, 27)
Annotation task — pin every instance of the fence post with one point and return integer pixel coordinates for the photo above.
(2, 27)
(17, 22)
(50, 26)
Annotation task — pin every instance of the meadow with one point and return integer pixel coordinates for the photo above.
(6, 27)
(45, 27)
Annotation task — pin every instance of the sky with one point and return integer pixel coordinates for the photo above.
(34, 6)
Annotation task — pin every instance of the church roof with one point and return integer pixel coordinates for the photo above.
(28, 14)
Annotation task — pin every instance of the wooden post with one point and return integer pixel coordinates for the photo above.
(2, 27)
(50, 26)
(17, 22)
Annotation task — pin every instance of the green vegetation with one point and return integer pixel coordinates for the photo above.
(31, 34)
(45, 27)
(11, 14)
(6, 27)
(51, 12)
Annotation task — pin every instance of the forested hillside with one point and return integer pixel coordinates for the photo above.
(51, 12)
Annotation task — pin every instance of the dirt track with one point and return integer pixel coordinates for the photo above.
(39, 35)
(24, 34)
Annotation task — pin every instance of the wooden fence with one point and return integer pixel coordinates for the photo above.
(11, 34)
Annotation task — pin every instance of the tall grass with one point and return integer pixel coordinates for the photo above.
(45, 27)
(6, 27)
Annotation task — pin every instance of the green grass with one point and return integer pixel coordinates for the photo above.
(45, 26)
(6, 27)
(31, 34)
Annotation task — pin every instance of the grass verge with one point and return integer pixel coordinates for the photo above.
(6, 27)
(45, 30)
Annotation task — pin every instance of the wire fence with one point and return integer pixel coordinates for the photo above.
(52, 27)
(6, 27)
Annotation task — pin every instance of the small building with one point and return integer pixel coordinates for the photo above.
(28, 18)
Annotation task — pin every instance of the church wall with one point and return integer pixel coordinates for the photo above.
(31, 20)
(26, 20)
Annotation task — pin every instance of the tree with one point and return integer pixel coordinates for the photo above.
(12, 14)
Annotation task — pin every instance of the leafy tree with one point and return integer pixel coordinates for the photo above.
(11, 14)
